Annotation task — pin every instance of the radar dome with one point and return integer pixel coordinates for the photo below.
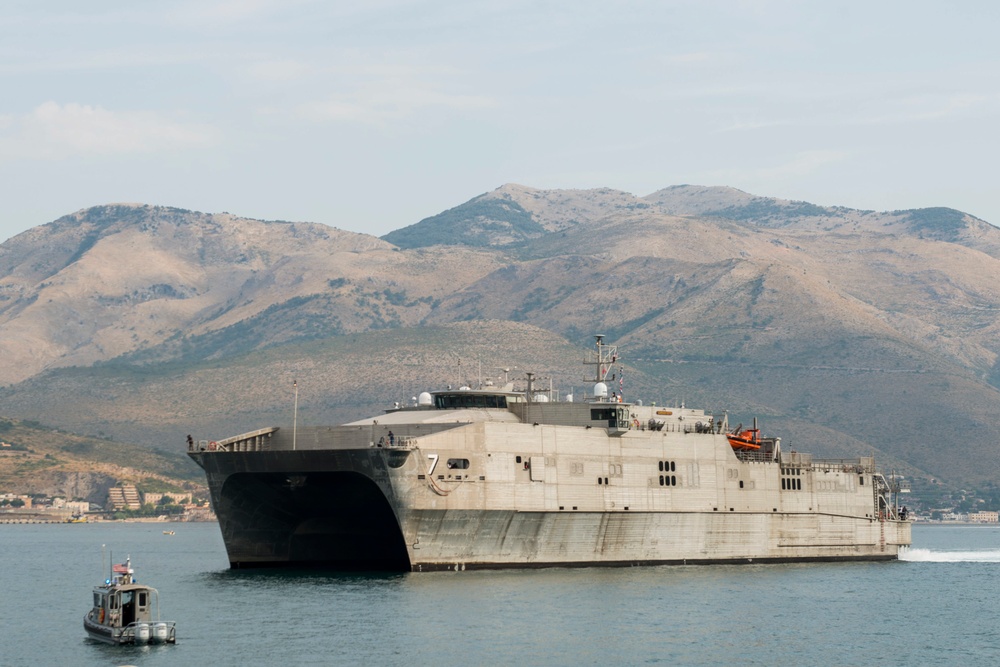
(541, 398)
(600, 390)
(424, 398)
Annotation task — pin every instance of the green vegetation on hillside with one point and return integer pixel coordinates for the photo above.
(473, 224)
(764, 209)
(943, 223)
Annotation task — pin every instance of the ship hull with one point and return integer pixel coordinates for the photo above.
(344, 509)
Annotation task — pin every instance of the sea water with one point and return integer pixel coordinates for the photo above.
(938, 606)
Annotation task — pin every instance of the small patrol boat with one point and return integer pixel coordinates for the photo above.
(126, 612)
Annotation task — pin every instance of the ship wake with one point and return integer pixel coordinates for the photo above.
(931, 556)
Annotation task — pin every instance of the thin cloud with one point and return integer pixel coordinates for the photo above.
(850, 111)
(283, 70)
(53, 131)
(227, 11)
(388, 102)
(800, 164)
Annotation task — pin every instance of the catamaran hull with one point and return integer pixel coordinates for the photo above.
(340, 509)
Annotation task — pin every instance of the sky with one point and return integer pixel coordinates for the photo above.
(370, 116)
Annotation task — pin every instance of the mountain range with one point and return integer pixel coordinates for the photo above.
(845, 331)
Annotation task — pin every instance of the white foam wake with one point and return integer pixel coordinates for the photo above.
(930, 556)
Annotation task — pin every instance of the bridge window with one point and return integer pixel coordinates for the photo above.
(469, 400)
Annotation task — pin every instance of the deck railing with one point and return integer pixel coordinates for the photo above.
(255, 441)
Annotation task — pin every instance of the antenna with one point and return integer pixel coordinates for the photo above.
(603, 359)
(295, 414)
(506, 373)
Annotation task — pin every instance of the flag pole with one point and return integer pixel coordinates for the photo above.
(295, 414)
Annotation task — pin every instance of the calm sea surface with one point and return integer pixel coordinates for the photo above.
(939, 607)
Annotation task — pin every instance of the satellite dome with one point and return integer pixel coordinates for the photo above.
(601, 390)
(541, 398)
(424, 398)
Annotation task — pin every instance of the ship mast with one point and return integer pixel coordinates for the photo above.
(602, 359)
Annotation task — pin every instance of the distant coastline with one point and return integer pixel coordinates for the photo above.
(35, 516)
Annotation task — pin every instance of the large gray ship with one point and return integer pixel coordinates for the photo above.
(498, 477)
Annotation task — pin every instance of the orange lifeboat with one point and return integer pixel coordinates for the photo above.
(748, 439)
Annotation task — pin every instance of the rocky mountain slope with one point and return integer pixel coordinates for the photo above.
(846, 331)
(39, 460)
